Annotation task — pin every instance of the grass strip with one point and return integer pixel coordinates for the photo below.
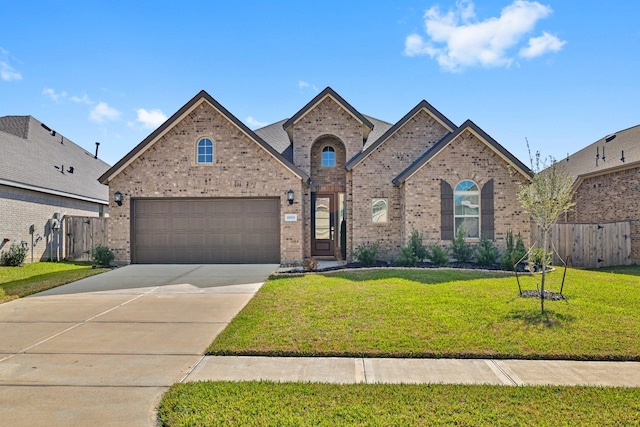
(313, 404)
(439, 313)
(18, 282)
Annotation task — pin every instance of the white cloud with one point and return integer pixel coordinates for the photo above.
(456, 39)
(306, 85)
(7, 73)
(84, 99)
(102, 112)
(255, 124)
(541, 45)
(55, 96)
(150, 119)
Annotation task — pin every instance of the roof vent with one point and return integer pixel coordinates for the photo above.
(46, 127)
(610, 138)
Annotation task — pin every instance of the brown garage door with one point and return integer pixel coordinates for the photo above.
(205, 231)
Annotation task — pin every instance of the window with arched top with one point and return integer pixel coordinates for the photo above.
(205, 151)
(328, 157)
(466, 208)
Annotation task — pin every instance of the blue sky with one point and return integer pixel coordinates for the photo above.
(560, 73)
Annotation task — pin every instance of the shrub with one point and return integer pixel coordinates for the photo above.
(460, 249)
(438, 255)
(14, 256)
(407, 257)
(367, 253)
(517, 251)
(102, 255)
(535, 259)
(487, 252)
(414, 252)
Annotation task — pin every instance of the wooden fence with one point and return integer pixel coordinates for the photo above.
(589, 245)
(81, 233)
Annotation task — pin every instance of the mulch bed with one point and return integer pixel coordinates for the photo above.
(548, 295)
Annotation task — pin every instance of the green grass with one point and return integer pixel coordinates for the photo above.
(307, 404)
(17, 282)
(439, 313)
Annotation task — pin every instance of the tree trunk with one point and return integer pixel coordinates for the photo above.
(544, 267)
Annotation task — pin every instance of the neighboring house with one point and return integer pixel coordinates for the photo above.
(204, 188)
(607, 182)
(43, 177)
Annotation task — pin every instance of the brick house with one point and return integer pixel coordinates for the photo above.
(44, 176)
(204, 188)
(607, 177)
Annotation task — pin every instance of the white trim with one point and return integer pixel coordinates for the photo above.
(52, 192)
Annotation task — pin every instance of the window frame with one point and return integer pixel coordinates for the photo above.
(328, 149)
(205, 160)
(374, 214)
(457, 192)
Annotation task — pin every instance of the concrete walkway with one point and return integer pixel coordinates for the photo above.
(103, 350)
(416, 371)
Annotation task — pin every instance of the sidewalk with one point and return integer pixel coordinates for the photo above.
(412, 371)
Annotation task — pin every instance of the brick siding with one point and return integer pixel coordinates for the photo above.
(241, 168)
(466, 157)
(21, 208)
(372, 178)
(610, 197)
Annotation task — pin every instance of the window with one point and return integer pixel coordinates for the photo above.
(379, 208)
(466, 199)
(205, 151)
(328, 157)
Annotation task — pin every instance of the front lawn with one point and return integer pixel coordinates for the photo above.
(17, 282)
(439, 313)
(307, 404)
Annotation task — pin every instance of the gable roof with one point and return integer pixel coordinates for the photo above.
(440, 145)
(604, 155)
(329, 93)
(202, 96)
(37, 158)
(422, 105)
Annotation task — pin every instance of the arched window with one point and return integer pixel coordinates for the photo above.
(205, 151)
(466, 202)
(328, 157)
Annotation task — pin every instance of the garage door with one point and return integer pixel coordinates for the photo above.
(205, 231)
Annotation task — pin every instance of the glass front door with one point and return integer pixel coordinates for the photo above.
(323, 227)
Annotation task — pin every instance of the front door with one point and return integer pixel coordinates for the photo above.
(323, 225)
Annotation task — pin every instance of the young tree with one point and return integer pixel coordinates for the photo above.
(545, 199)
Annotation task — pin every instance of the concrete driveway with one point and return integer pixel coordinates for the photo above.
(103, 350)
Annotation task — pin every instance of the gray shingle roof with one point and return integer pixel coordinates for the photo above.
(609, 151)
(33, 157)
(275, 135)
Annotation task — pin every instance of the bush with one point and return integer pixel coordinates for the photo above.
(487, 252)
(517, 251)
(414, 252)
(460, 249)
(535, 259)
(102, 255)
(14, 256)
(407, 257)
(367, 253)
(438, 255)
